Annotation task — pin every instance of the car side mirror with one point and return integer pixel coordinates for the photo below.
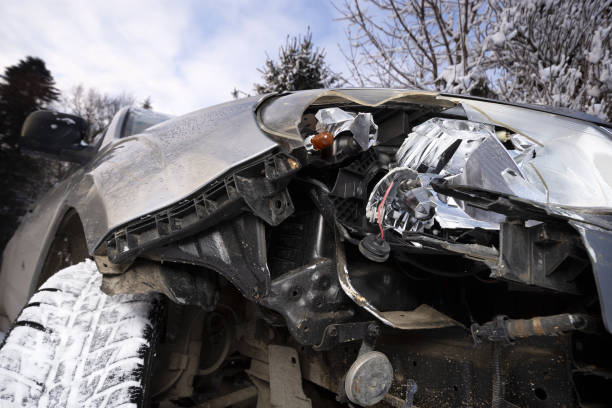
(58, 135)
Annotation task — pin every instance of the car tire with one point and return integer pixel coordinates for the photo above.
(74, 346)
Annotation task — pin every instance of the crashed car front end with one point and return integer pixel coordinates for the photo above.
(411, 246)
(389, 216)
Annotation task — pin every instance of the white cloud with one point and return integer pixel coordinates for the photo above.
(185, 55)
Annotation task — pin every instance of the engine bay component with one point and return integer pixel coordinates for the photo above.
(375, 248)
(400, 202)
(360, 127)
(422, 317)
(338, 134)
(369, 379)
(310, 299)
(506, 330)
(322, 140)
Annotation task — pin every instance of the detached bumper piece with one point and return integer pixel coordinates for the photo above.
(258, 187)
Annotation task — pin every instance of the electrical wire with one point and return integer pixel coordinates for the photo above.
(382, 231)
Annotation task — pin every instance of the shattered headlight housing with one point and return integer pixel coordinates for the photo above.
(461, 152)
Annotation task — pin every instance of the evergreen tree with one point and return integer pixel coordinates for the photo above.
(300, 66)
(24, 88)
(147, 104)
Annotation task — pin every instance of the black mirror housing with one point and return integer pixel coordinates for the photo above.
(56, 134)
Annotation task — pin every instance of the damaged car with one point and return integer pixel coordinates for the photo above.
(351, 247)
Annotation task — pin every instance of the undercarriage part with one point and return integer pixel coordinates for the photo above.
(451, 372)
(233, 398)
(340, 333)
(310, 299)
(286, 378)
(408, 401)
(591, 367)
(236, 250)
(179, 354)
(180, 285)
(260, 185)
(506, 330)
(217, 339)
(369, 379)
(374, 248)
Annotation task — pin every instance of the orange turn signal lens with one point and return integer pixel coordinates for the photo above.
(322, 140)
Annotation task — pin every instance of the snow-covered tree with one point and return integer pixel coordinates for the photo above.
(553, 52)
(424, 44)
(556, 53)
(299, 66)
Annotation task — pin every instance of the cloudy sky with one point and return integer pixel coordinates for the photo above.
(183, 54)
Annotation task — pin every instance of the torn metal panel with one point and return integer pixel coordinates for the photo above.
(466, 153)
(572, 157)
(421, 318)
(442, 146)
(485, 167)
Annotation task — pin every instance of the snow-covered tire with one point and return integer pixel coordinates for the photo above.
(74, 346)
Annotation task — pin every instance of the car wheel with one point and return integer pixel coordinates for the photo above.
(74, 346)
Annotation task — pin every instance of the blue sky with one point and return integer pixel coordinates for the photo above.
(184, 54)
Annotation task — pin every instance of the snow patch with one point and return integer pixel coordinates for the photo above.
(68, 121)
(498, 39)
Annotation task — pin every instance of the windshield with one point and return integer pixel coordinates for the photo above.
(140, 119)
